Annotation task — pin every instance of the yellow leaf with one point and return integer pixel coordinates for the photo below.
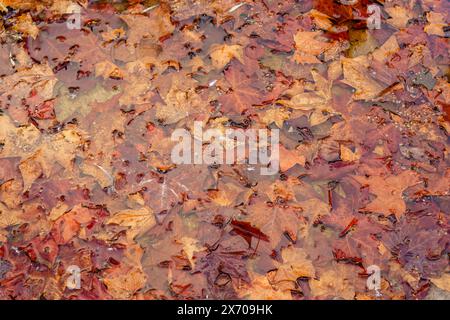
(387, 49)
(102, 176)
(314, 208)
(26, 26)
(388, 191)
(9, 217)
(308, 46)
(436, 24)
(321, 20)
(221, 54)
(123, 284)
(356, 74)
(137, 220)
(30, 170)
(335, 70)
(295, 265)
(153, 27)
(348, 155)
(333, 284)
(443, 282)
(107, 69)
(399, 16)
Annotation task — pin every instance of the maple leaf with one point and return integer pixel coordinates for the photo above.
(154, 27)
(102, 176)
(86, 117)
(308, 47)
(275, 220)
(124, 282)
(39, 77)
(39, 153)
(418, 246)
(68, 225)
(26, 26)
(338, 10)
(358, 243)
(67, 106)
(388, 48)
(245, 230)
(295, 265)
(107, 70)
(442, 282)
(278, 116)
(436, 24)
(137, 221)
(335, 282)
(388, 191)
(261, 289)
(221, 55)
(179, 104)
(400, 16)
(356, 74)
(62, 45)
(190, 247)
(224, 265)
(242, 95)
(9, 217)
(289, 158)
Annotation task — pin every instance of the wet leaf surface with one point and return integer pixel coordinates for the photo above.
(87, 178)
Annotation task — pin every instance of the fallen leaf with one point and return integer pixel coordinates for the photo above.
(308, 47)
(221, 55)
(357, 75)
(388, 191)
(137, 220)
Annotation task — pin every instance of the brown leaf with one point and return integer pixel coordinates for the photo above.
(388, 191)
(136, 220)
(242, 94)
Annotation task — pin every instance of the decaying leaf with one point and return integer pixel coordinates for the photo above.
(358, 117)
(136, 220)
(221, 55)
(357, 75)
(333, 283)
(309, 47)
(388, 191)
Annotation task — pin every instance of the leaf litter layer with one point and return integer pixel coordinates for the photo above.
(86, 178)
